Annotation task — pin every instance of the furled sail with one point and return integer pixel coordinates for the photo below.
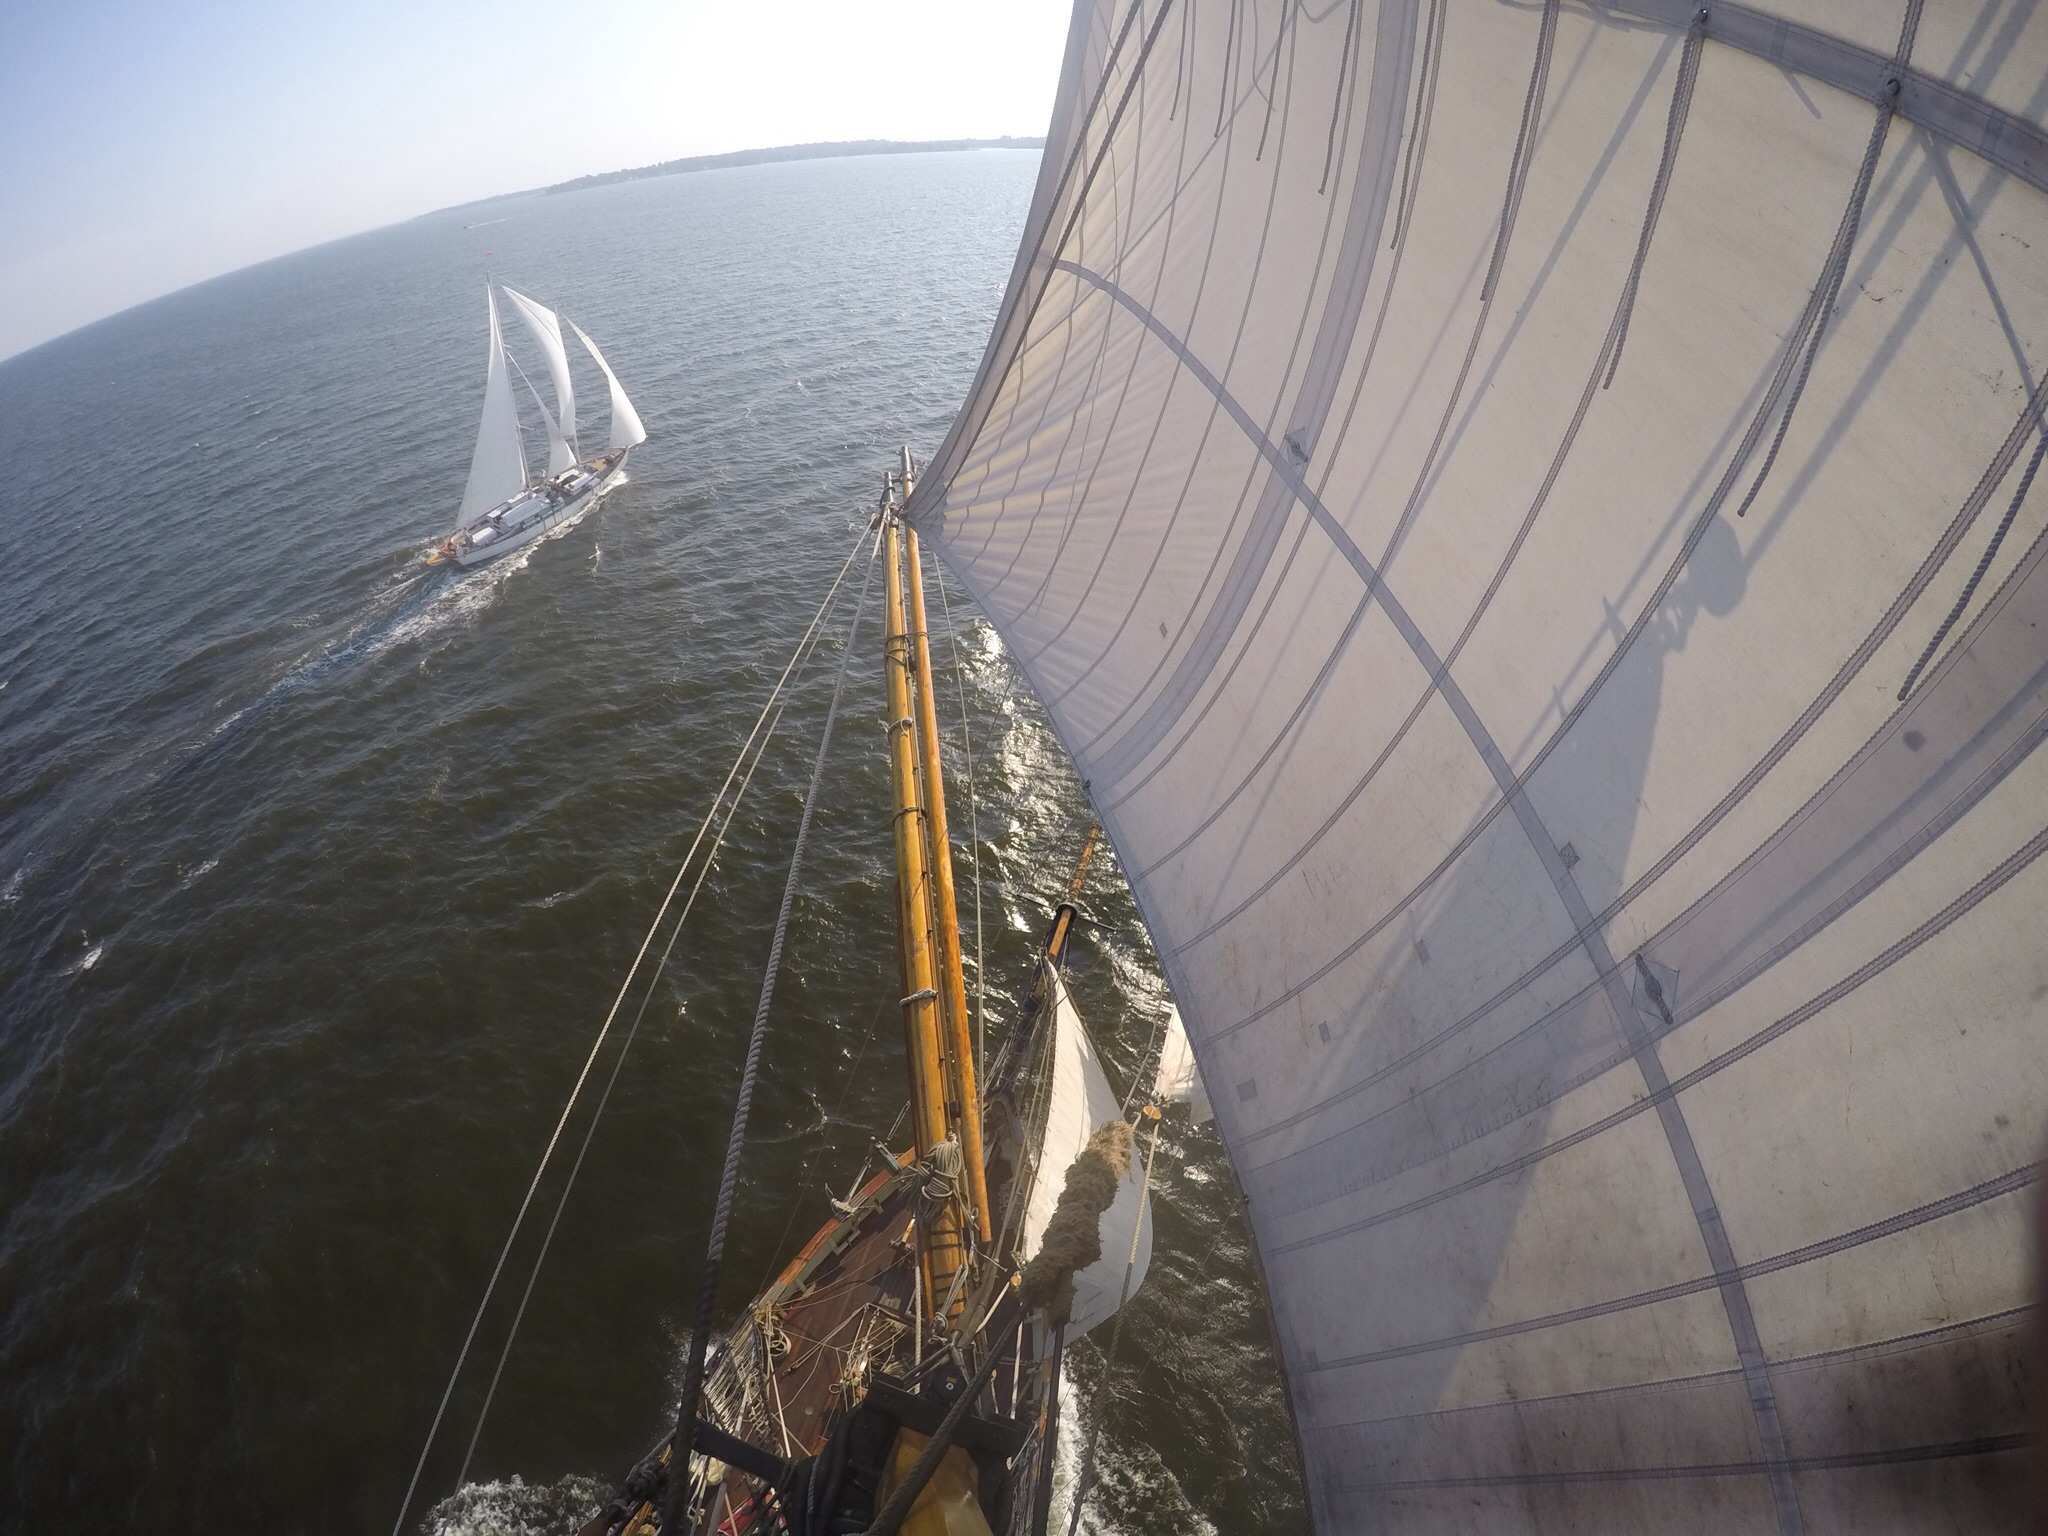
(498, 467)
(626, 429)
(1079, 1103)
(546, 326)
(1525, 517)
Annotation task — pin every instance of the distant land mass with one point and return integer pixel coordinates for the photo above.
(767, 156)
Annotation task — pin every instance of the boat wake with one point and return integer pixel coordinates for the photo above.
(419, 606)
(517, 1508)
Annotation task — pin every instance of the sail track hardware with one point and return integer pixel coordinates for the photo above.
(728, 1181)
(741, 772)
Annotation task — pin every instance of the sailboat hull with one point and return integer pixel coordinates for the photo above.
(525, 518)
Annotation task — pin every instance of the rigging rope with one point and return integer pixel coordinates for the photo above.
(707, 1290)
(804, 646)
(604, 1099)
(1977, 576)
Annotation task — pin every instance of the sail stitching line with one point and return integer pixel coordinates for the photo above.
(1691, 1170)
(1972, 507)
(1948, 1205)
(1805, 343)
(1610, 348)
(1102, 153)
(1957, 529)
(1969, 121)
(1411, 190)
(1992, 882)
(1707, 1380)
(1969, 591)
(1159, 423)
(1077, 501)
(1393, 65)
(1019, 308)
(2023, 743)
(1983, 1445)
(1347, 60)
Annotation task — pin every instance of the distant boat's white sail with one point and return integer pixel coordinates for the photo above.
(546, 326)
(1079, 1102)
(498, 467)
(560, 455)
(1525, 517)
(626, 429)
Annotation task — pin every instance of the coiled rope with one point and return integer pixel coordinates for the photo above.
(728, 1178)
(803, 649)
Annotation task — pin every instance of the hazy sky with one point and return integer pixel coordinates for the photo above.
(150, 145)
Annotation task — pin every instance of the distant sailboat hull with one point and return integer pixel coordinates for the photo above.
(523, 518)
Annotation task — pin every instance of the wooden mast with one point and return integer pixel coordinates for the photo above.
(964, 1096)
(939, 1241)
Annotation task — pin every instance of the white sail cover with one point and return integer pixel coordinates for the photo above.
(546, 327)
(498, 467)
(1080, 1103)
(626, 429)
(1525, 518)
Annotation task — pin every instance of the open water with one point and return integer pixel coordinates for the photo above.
(318, 869)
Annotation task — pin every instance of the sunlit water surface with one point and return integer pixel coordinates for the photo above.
(318, 869)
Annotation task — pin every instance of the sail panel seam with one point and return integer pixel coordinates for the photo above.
(1820, 1360)
(1935, 1210)
(1685, 1154)
(1985, 1445)
(1965, 119)
(1876, 966)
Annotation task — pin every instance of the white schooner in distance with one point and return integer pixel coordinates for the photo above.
(504, 506)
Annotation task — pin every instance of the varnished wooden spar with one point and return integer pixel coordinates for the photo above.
(964, 1098)
(940, 1240)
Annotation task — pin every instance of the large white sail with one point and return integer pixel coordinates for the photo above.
(546, 327)
(1525, 518)
(1079, 1102)
(498, 467)
(626, 429)
(560, 456)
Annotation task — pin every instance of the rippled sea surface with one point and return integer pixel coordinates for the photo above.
(318, 869)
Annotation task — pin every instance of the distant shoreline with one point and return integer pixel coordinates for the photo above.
(825, 151)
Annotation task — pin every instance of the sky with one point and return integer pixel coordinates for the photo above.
(152, 145)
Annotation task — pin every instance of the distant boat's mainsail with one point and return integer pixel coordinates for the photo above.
(498, 467)
(626, 429)
(1521, 515)
(546, 327)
